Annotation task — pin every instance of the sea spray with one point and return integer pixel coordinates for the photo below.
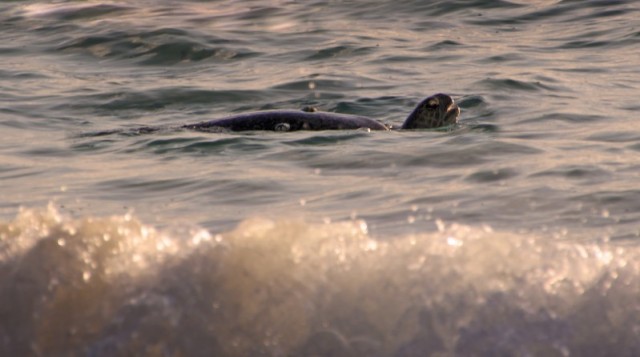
(115, 286)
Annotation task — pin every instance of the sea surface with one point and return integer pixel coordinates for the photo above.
(516, 233)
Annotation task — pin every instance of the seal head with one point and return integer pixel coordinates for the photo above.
(435, 111)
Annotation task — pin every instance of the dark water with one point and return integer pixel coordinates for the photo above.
(515, 234)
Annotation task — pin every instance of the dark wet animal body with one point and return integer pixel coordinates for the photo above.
(289, 120)
(436, 111)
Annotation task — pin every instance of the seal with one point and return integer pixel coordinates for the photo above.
(436, 111)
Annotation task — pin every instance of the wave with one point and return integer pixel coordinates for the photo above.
(116, 286)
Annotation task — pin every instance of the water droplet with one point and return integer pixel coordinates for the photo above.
(454, 242)
(371, 245)
(363, 227)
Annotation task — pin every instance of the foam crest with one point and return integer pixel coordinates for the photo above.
(114, 286)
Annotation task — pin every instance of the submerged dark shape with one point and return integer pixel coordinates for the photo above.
(433, 112)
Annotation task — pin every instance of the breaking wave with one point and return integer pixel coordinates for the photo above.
(115, 286)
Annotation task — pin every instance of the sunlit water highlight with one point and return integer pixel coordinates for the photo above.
(113, 286)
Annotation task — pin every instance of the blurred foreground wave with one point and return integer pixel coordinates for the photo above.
(114, 286)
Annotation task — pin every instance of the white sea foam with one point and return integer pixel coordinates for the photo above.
(293, 288)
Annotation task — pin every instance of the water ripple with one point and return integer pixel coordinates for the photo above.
(158, 47)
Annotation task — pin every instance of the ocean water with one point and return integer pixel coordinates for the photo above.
(515, 234)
